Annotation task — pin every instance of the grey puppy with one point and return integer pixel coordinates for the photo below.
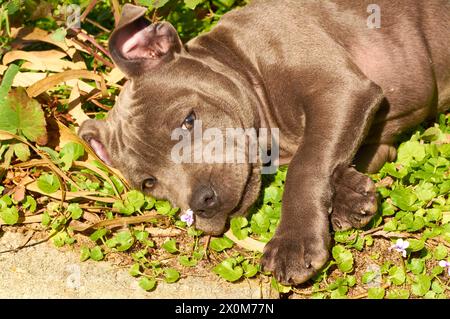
(339, 91)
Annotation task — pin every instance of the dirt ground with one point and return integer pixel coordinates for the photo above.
(43, 271)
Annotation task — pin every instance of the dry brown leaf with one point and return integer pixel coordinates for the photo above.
(50, 60)
(3, 68)
(27, 79)
(27, 34)
(66, 135)
(247, 243)
(27, 219)
(114, 76)
(55, 79)
(19, 193)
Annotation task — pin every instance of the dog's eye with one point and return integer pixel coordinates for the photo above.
(188, 122)
(149, 183)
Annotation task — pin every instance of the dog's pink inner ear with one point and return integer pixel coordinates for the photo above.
(100, 150)
(135, 46)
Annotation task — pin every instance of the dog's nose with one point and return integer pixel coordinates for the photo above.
(204, 201)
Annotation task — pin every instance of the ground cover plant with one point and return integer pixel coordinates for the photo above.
(55, 75)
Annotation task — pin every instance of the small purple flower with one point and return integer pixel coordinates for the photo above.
(400, 246)
(188, 217)
(445, 264)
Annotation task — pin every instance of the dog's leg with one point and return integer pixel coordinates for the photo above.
(354, 201)
(336, 122)
(370, 158)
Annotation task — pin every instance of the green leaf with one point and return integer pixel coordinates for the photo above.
(48, 183)
(124, 240)
(440, 252)
(416, 265)
(415, 245)
(187, 262)
(46, 219)
(369, 276)
(136, 199)
(279, 287)
(59, 35)
(171, 275)
(75, 211)
(23, 116)
(9, 215)
(22, 151)
(351, 281)
(191, 4)
(170, 246)
(411, 150)
(272, 194)
(343, 257)
(96, 253)
(376, 293)
(30, 204)
(237, 226)
(403, 198)
(99, 233)
(229, 270)
(85, 253)
(436, 287)
(162, 207)
(421, 285)
(141, 235)
(8, 78)
(426, 191)
(250, 270)
(260, 223)
(220, 244)
(71, 152)
(135, 270)
(59, 239)
(147, 284)
(397, 275)
(398, 294)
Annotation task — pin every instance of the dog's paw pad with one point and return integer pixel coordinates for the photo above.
(293, 261)
(355, 199)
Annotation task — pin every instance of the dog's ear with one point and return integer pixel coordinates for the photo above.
(94, 132)
(138, 46)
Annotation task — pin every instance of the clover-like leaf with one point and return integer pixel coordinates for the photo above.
(229, 270)
(170, 246)
(421, 285)
(397, 275)
(187, 262)
(171, 275)
(75, 211)
(9, 215)
(48, 183)
(343, 257)
(147, 284)
(96, 253)
(124, 240)
(376, 293)
(220, 244)
(239, 227)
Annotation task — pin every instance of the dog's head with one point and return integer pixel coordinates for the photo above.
(171, 96)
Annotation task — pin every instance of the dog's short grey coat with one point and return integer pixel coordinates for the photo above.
(339, 92)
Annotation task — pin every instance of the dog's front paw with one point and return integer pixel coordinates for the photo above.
(293, 261)
(354, 201)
